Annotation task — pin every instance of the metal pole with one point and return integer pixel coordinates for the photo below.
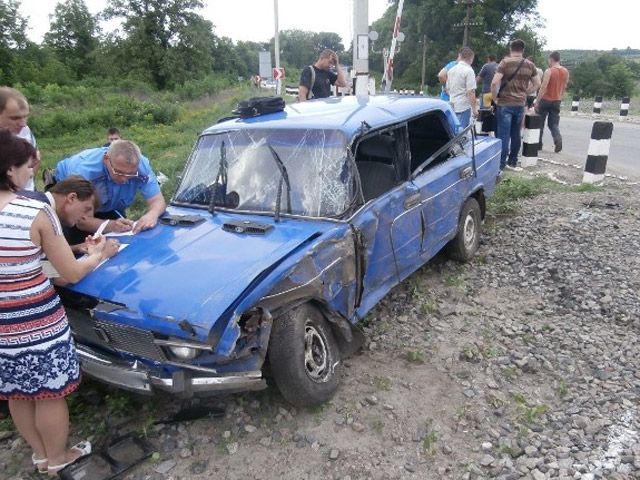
(388, 72)
(424, 60)
(361, 47)
(465, 41)
(276, 44)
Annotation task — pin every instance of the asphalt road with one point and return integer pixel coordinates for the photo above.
(624, 153)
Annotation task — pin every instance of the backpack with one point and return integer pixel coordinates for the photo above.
(313, 82)
(259, 106)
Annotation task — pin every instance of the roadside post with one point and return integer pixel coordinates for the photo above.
(575, 103)
(597, 104)
(361, 48)
(598, 152)
(624, 107)
(531, 140)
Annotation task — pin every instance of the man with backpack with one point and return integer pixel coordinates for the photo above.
(316, 80)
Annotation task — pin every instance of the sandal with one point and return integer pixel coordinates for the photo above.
(83, 447)
(37, 462)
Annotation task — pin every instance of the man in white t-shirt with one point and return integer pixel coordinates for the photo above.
(14, 112)
(461, 85)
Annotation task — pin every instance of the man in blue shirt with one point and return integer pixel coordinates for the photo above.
(442, 77)
(117, 173)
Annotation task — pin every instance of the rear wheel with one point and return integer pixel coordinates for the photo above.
(465, 244)
(304, 357)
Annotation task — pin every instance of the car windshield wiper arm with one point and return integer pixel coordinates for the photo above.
(220, 183)
(284, 176)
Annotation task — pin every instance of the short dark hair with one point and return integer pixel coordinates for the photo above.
(492, 57)
(466, 53)
(79, 185)
(14, 152)
(113, 131)
(517, 45)
(555, 55)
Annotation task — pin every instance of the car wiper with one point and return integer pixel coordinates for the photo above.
(220, 183)
(283, 176)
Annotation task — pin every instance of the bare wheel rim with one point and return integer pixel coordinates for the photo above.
(316, 353)
(469, 231)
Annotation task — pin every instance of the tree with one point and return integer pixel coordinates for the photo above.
(164, 38)
(494, 23)
(328, 40)
(620, 81)
(587, 80)
(72, 36)
(13, 38)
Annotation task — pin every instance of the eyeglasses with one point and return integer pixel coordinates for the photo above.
(121, 174)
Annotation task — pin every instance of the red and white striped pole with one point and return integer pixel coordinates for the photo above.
(388, 71)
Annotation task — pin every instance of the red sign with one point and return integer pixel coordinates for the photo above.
(278, 73)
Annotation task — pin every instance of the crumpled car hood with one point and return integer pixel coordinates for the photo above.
(196, 272)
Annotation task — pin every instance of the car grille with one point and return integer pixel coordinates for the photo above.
(112, 336)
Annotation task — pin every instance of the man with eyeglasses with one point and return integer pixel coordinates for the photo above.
(117, 173)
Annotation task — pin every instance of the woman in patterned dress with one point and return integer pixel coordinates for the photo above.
(38, 362)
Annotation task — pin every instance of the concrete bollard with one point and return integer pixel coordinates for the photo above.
(575, 103)
(598, 152)
(624, 107)
(531, 140)
(597, 104)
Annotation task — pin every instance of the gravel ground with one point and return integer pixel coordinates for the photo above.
(522, 364)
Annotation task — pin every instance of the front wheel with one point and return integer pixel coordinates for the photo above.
(304, 357)
(465, 244)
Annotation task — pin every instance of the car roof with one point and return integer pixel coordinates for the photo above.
(342, 113)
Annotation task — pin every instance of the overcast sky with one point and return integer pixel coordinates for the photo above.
(575, 24)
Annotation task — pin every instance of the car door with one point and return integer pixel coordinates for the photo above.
(389, 223)
(445, 180)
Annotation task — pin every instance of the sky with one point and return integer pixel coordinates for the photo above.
(570, 24)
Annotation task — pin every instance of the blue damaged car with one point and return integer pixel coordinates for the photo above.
(284, 231)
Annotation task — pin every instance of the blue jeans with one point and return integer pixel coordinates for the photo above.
(464, 118)
(552, 111)
(509, 122)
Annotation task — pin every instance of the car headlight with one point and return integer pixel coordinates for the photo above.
(184, 353)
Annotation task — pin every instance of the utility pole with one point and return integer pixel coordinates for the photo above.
(276, 44)
(467, 22)
(424, 60)
(465, 41)
(361, 47)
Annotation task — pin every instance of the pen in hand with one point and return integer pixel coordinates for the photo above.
(101, 228)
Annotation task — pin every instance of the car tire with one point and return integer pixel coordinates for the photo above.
(304, 358)
(465, 244)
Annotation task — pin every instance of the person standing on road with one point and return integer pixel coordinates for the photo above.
(461, 85)
(515, 78)
(554, 83)
(485, 76)
(316, 80)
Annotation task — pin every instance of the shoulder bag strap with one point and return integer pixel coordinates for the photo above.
(313, 81)
(510, 77)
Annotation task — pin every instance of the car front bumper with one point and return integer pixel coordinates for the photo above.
(137, 377)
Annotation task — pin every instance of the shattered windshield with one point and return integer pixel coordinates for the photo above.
(239, 169)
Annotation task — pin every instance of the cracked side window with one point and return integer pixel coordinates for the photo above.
(237, 170)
